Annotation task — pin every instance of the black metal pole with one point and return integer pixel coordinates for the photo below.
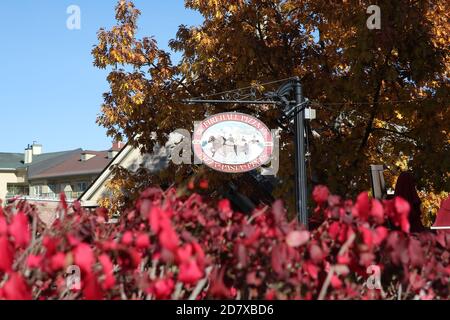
(193, 101)
(300, 167)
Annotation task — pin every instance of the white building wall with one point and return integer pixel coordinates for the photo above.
(5, 178)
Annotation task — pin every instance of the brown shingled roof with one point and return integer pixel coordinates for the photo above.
(73, 165)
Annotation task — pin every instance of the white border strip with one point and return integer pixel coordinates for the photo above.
(440, 228)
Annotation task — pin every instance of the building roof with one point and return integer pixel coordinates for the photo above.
(10, 160)
(56, 164)
(72, 165)
(45, 161)
(40, 162)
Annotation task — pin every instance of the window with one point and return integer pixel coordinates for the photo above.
(82, 186)
(52, 188)
(38, 190)
(16, 189)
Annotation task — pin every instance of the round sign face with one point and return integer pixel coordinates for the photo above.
(233, 142)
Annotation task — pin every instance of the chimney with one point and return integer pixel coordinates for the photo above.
(117, 145)
(85, 156)
(37, 148)
(28, 155)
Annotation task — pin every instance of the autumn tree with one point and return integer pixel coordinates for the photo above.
(381, 94)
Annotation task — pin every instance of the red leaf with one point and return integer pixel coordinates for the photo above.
(271, 294)
(154, 219)
(316, 254)
(16, 288)
(50, 245)
(253, 279)
(336, 283)
(344, 259)
(19, 230)
(144, 207)
(142, 241)
(217, 288)
(108, 271)
(334, 230)
(84, 257)
(203, 184)
(162, 289)
(3, 224)
(200, 254)
(366, 259)
(73, 240)
(416, 281)
(225, 210)
(63, 202)
(379, 235)
(135, 257)
(184, 253)
(252, 235)
(401, 219)
(91, 288)
(278, 212)
(362, 206)
(297, 238)
(366, 236)
(34, 262)
(320, 194)
(190, 273)
(242, 255)
(58, 261)
(377, 211)
(402, 206)
(416, 253)
(127, 238)
(6, 254)
(169, 239)
(311, 269)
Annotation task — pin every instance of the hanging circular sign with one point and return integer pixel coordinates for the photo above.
(233, 142)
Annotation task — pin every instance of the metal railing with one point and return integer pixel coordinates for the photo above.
(11, 193)
(70, 195)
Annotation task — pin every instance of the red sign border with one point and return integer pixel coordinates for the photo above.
(263, 158)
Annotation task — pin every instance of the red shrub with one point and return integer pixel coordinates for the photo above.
(165, 247)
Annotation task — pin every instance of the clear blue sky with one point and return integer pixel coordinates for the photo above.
(49, 90)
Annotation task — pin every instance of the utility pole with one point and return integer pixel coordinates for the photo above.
(300, 166)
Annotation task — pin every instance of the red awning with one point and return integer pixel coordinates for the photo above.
(443, 216)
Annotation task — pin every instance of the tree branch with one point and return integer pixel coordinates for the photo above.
(403, 134)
